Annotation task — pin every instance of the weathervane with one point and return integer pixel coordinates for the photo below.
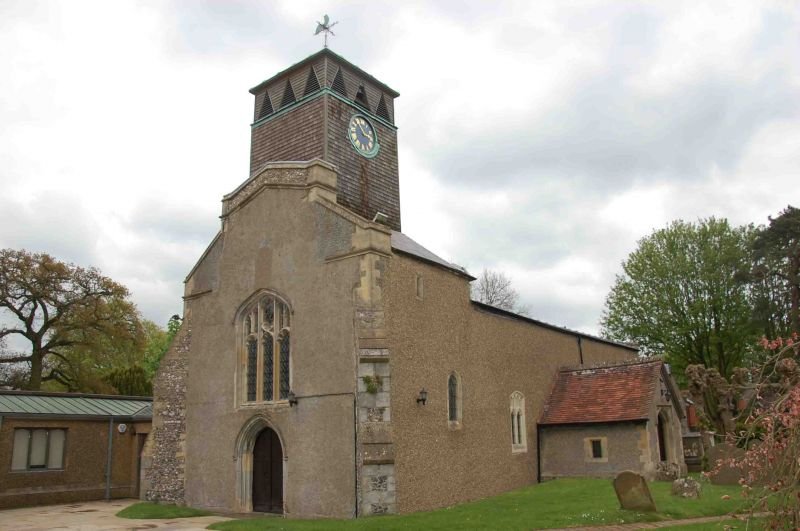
(325, 27)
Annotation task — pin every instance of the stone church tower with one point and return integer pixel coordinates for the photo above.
(305, 113)
(328, 364)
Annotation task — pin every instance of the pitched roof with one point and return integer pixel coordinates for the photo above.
(327, 52)
(31, 403)
(401, 242)
(616, 393)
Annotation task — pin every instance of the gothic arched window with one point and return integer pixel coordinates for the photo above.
(519, 441)
(454, 399)
(265, 325)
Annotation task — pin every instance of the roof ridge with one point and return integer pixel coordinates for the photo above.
(61, 394)
(610, 364)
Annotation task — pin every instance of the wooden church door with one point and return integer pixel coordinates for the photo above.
(268, 473)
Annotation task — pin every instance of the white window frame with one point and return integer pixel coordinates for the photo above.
(28, 448)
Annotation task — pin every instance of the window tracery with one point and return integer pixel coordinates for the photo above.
(519, 441)
(265, 325)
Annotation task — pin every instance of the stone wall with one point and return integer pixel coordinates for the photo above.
(163, 457)
(564, 451)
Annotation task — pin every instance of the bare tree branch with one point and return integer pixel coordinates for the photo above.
(494, 288)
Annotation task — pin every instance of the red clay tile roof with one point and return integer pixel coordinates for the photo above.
(603, 394)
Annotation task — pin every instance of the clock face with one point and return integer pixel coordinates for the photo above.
(363, 136)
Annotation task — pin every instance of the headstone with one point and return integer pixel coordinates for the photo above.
(633, 492)
(668, 471)
(724, 474)
(686, 488)
(693, 451)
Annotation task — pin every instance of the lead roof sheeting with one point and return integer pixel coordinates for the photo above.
(403, 243)
(78, 405)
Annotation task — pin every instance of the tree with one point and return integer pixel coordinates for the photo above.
(683, 294)
(132, 381)
(771, 436)
(494, 288)
(776, 273)
(158, 342)
(60, 308)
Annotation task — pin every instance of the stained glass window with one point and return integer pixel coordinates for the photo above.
(284, 346)
(269, 367)
(252, 367)
(266, 344)
(269, 312)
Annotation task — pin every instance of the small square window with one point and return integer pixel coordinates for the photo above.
(597, 449)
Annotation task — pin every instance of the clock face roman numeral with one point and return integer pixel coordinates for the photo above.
(362, 136)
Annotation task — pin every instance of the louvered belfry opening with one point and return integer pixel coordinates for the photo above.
(338, 83)
(312, 83)
(361, 98)
(288, 95)
(382, 111)
(266, 107)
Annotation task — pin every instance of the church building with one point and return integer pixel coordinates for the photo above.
(328, 365)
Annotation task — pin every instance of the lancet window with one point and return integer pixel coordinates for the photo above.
(519, 441)
(454, 412)
(266, 329)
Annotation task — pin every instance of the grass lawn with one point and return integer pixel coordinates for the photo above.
(155, 510)
(559, 503)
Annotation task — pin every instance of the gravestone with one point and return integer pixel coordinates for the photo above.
(686, 488)
(633, 493)
(725, 474)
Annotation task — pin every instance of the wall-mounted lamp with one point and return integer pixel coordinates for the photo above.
(423, 397)
(292, 399)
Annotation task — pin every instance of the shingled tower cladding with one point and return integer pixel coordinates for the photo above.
(306, 112)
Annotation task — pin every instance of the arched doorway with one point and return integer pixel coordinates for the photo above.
(662, 440)
(261, 462)
(268, 473)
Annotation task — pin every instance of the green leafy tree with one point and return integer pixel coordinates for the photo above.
(132, 380)
(158, 343)
(776, 274)
(69, 316)
(683, 294)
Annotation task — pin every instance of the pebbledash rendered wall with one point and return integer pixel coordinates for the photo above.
(355, 317)
(282, 232)
(494, 354)
(85, 457)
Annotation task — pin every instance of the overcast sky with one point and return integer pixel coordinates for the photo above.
(542, 139)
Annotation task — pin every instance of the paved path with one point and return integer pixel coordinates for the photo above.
(100, 515)
(656, 525)
(92, 516)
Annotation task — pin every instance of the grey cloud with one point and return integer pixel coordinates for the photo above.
(213, 27)
(52, 222)
(174, 221)
(606, 137)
